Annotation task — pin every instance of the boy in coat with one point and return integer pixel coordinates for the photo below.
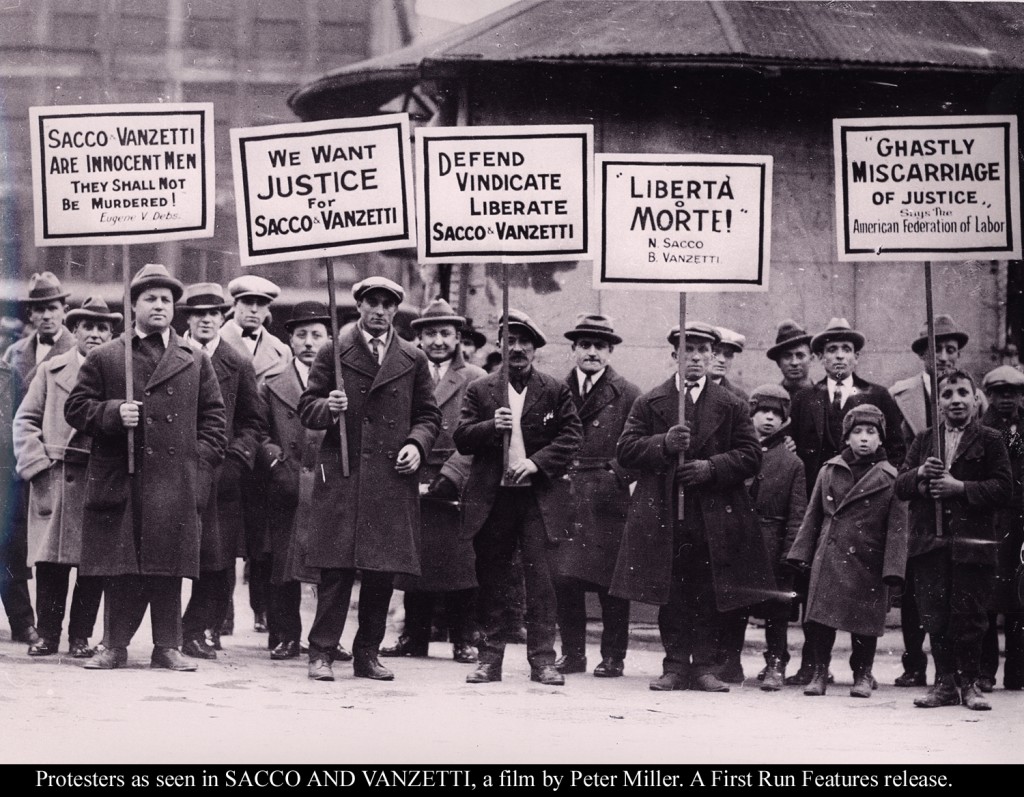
(854, 539)
(955, 563)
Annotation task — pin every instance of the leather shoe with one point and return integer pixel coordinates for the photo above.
(608, 668)
(803, 676)
(43, 647)
(367, 666)
(79, 649)
(943, 693)
(985, 684)
(171, 659)
(286, 650)
(547, 674)
(108, 659)
(971, 697)
(213, 638)
(464, 654)
(198, 649)
(670, 682)
(259, 622)
(571, 663)
(709, 682)
(320, 670)
(912, 678)
(405, 646)
(862, 684)
(732, 672)
(28, 635)
(485, 673)
(340, 654)
(818, 684)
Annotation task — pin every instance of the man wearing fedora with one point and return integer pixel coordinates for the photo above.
(287, 458)
(142, 531)
(472, 340)
(712, 561)
(203, 306)
(526, 508)
(723, 353)
(447, 563)
(792, 354)
(368, 521)
(51, 458)
(600, 494)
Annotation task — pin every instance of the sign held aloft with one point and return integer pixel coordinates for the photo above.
(124, 174)
(517, 194)
(319, 189)
(927, 188)
(683, 222)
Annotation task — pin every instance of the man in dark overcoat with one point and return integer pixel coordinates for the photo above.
(600, 492)
(526, 508)
(955, 570)
(142, 531)
(368, 521)
(714, 560)
(203, 307)
(13, 531)
(447, 563)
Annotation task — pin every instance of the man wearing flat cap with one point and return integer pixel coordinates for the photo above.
(52, 459)
(142, 532)
(528, 508)
(368, 521)
(792, 354)
(714, 560)
(446, 558)
(723, 353)
(203, 306)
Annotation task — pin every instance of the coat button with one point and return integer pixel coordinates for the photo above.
(170, 450)
(597, 423)
(70, 479)
(728, 509)
(170, 419)
(852, 549)
(291, 414)
(149, 393)
(149, 450)
(149, 420)
(170, 391)
(362, 390)
(444, 425)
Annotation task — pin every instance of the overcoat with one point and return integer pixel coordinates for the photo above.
(371, 520)
(600, 485)
(968, 522)
(13, 492)
(287, 456)
(21, 355)
(724, 435)
(1010, 518)
(780, 498)
(910, 396)
(735, 389)
(447, 560)
(147, 523)
(551, 436)
(51, 456)
(272, 354)
(855, 538)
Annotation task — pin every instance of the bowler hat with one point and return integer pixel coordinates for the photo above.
(204, 296)
(471, 334)
(252, 285)
(438, 312)
(790, 334)
(838, 329)
(1003, 376)
(155, 275)
(517, 318)
(308, 313)
(945, 327)
(864, 414)
(593, 325)
(44, 287)
(378, 283)
(95, 308)
(734, 340)
(771, 396)
(695, 329)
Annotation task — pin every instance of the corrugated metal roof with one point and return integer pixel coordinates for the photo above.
(962, 36)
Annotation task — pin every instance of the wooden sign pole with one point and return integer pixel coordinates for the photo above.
(339, 383)
(680, 370)
(507, 436)
(934, 382)
(129, 328)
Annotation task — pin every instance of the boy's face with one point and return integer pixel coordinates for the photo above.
(864, 439)
(1005, 400)
(957, 401)
(767, 421)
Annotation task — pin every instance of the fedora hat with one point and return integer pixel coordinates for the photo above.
(838, 329)
(95, 308)
(252, 285)
(695, 329)
(378, 283)
(517, 318)
(204, 296)
(155, 275)
(593, 325)
(945, 328)
(790, 334)
(309, 313)
(438, 312)
(44, 287)
(734, 340)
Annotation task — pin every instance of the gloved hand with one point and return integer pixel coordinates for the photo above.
(677, 438)
(443, 489)
(694, 472)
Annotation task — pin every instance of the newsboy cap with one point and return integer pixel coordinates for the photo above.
(838, 329)
(203, 296)
(593, 325)
(155, 275)
(517, 318)
(438, 312)
(380, 284)
(695, 329)
(93, 308)
(734, 340)
(945, 327)
(770, 396)
(864, 414)
(1003, 376)
(44, 287)
(252, 285)
(790, 334)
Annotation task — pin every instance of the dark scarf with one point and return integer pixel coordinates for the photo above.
(861, 465)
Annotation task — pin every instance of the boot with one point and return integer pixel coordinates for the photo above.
(970, 694)
(943, 693)
(774, 676)
(862, 684)
(818, 683)
(366, 665)
(732, 671)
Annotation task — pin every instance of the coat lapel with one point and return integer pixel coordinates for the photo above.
(286, 387)
(966, 441)
(708, 415)
(664, 402)
(449, 385)
(355, 354)
(534, 390)
(396, 363)
(601, 395)
(224, 368)
(65, 375)
(177, 357)
(870, 484)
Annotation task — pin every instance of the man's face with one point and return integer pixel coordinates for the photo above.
(47, 317)
(90, 333)
(468, 349)
(957, 401)
(204, 324)
(864, 439)
(1005, 400)
(795, 363)
(767, 421)
(697, 358)
(591, 354)
(306, 340)
(439, 341)
(521, 349)
(839, 359)
(377, 311)
(251, 312)
(721, 360)
(154, 310)
(947, 355)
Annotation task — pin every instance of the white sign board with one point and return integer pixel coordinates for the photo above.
(122, 174)
(927, 188)
(683, 222)
(515, 194)
(317, 189)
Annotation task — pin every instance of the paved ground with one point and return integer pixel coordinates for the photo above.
(244, 708)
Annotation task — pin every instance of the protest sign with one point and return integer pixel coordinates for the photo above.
(518, 194)
(927, 188)
(317, 189)
(122, 174)
(683, 222)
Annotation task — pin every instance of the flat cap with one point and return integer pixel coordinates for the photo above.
(251, 285)
(695, 329)
(380, 284)
(731, 338)
(1003, 376)
(517, 318)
